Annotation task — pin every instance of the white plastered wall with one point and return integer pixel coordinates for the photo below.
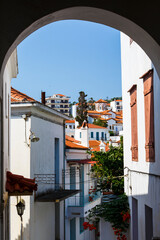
(142, 186)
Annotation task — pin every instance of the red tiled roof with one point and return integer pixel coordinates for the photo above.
(17, 96)
(101, 101)
(74, 145)
(94, 112)
(18, 185)
(61, 95)
(71, 139)
(70, 121)
(97, 149)
(118, 100)
(94, 145)
(90, 125)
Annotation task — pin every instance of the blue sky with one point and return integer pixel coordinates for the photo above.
(70, 56)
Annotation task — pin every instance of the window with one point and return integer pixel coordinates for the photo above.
(81, 221)
(149, 115)
(134, 131)
(80, 134)
(66, 126)
(97, 136)
(102, 135)
(91, 134)
(105, 137)
(70, 126)
(73, 126)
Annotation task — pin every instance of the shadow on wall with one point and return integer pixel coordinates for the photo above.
(25, 232)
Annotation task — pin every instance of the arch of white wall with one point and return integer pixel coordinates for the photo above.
(141, 37)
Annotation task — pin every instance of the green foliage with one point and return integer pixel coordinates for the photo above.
(109, 172)
(109, 169)
(114, 98)
(113, 212)
(111, 133)
(99, 122)
(82, 108)
(91, 105)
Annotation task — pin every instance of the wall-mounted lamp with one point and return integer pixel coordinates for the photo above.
(20, 210)
(33, 138)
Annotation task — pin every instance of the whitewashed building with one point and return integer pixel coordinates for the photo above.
(90, 131)
(141, 114)
(70, 127)
(78, 165)
(116, 105)
(37, 151)
(59, 102)
(10, 71)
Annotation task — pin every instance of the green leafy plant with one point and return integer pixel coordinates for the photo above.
(108, 170)
(116, 212)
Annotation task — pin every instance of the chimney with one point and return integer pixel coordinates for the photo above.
(43, 97)
(85, 134)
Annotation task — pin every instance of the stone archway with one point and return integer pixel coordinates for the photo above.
(20, 18)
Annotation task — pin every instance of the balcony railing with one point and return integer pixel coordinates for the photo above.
(81, 201)
(49, 190)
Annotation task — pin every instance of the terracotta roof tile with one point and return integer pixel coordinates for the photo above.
(17, 96)
(70, 121)
(101, 101)
(17, 184)
(71, 139)
(61, 95)
(74, 145)
(90, 125)
(93, 111)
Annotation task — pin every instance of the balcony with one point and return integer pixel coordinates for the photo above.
(79, 206)
(49, 190)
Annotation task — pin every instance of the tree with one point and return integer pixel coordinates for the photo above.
(82, 108)
(109, 172)
(91, 105)
(99, 122)
(109, 169)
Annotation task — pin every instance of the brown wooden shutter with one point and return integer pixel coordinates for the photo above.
(149, 116)
(134, 130)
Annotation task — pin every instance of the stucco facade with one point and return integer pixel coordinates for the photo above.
(143, 181)
(37, 160)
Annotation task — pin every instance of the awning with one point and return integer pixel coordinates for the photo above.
(55, 195)
(17, 185)
(83, 161)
